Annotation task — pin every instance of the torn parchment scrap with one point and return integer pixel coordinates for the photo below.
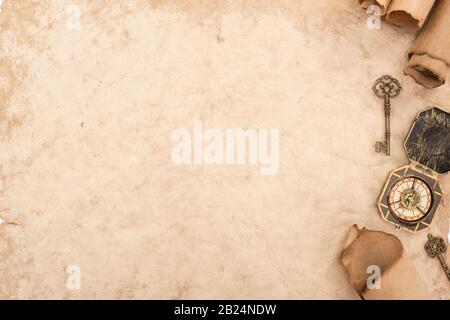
(399, 279)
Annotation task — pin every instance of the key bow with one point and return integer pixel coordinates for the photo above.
(386, 86)
(435, 246)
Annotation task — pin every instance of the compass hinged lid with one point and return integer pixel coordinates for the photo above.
(428, 142)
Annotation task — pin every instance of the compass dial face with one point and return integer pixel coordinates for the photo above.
(410, 199)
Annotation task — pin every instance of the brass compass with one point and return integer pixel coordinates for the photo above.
(412, 193)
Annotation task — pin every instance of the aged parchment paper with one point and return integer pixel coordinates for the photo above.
(86, 114)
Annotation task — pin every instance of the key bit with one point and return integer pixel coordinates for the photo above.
(436, 247)
(387, 88)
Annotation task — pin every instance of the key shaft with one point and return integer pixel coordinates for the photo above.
(435, 247)
(444, 265)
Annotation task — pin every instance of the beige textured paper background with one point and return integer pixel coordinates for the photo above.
(86, 177)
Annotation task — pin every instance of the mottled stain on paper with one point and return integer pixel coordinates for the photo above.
(18, 28)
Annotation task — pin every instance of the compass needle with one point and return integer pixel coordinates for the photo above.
(405, 202)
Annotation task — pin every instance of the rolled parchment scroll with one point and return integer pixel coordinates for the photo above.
(429, 58)
(409, 14)
(367, 250)
(430, 55)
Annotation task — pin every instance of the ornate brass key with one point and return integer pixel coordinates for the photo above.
(386, 87)
(436, 247)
